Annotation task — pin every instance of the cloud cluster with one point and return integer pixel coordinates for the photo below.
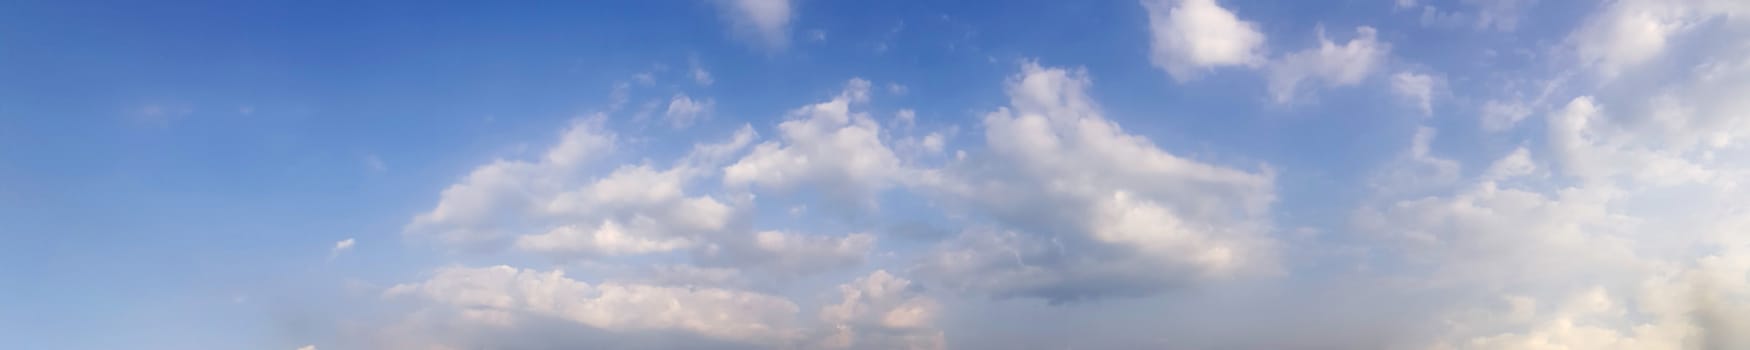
(1617, 228)
(1330, 64)
(1188, 37)
(498, 295)
(831, 146)
(1082, 209)
(1598, 212)
(765, 22)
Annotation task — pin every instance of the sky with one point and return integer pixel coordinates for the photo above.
(813, 174)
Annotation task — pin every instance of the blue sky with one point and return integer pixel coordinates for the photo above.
(1195, 174)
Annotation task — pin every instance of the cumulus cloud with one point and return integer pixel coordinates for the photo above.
(1616, 224)
(502, 295)
(1088, 210)
(790, 254)
(494, 200)
(1499, 116)
(554, 207)
(638, 209)
(1521, 267)
(683, 111)
(341, 247)
(832, 146)
(1585, 149)
(1500, 15)
(766, 22)
(1419, 169)
(1192, 36)
(610, 238)
(700, 75)
(882, 311)
(1496, 15)
(1625, 243)
(1626, 33)
(1329, 64)
(1417, 88)
(496, 304)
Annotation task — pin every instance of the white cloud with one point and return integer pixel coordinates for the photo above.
(552, 207)
(683, 111)
(501, 295)
(307, 347)
(1192, 36)
(1500, 15)
(638, 209)
(1090, 210)
(896, 89)
(1496, 15)
(1418, 169)
(585, 140)
(904, 119)
(1626, 33)
(1418, 88)
(1500, 116)
(1631, 245)
(700, 75)
(1579, 268)
(341, 247)
(832, 146)
(1586, 147)
(694, 276)
(767, 22)
(1329, 64)
(646, 78)
(608, 239)
(1515, 164)
(789, 254)
(882, 311)
(475, 211)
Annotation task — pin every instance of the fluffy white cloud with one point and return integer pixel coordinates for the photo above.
(502, 295)
(789, 253)
(767, 22)
(1499, 116)
(1417, 88)
(700, 75)
(683, 111)
(832, 146)
(1329, 64)
(1571, 267)
(341, 247)
(1417, 170)
(552, 207)
(1588, 150)
(638, 209)
(608, 239)
(1497, 15)
(882, 311)
(1191, 36)
(1501, 15)
(1615, 224)
(1633, 243)
(1090, 210)
(494, 200)
(1627, 33)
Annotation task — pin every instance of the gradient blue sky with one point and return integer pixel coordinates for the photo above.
(1414, 174)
